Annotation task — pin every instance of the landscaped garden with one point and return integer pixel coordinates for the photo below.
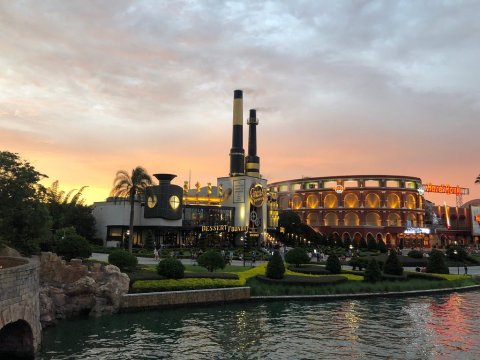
(300, 277)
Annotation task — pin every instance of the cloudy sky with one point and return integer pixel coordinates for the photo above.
(341, 87)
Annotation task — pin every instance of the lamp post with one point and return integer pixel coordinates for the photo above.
(458, 266)
(243, 245)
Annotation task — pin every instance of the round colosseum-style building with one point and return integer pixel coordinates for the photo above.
(378, 206)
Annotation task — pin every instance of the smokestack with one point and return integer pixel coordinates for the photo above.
(253, 161)
(237, 154)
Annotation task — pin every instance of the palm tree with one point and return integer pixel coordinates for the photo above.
(128, 186)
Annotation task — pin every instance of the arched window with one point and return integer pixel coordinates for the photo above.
(372, 219)
(410, 202)
(393, 201)
(351, 200)
(331, 219)
(297, 202)
(312, 219)
(394, 219)
(312, 201)
(351, 219)
(412, 219)
(330, 201)
(372, 201)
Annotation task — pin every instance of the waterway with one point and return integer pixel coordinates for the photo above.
(433, 327)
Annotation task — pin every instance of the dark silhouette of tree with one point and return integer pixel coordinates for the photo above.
(128, 187)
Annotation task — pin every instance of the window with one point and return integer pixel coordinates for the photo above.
(331, 219)
(393, 183)
(372, 219)
(312, 201)
(393, 201)
(351, 219)
(296, 187)
(372, 183)
(350, 184)
(394, 220)
(372, 201)
(410, 185)
(311, 185)
(330, 184)
(351, 200)
(410, 202)
(297, 202)
(283, 188)
(330, 201)
(312, 219)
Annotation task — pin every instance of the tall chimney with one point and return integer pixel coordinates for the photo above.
(237, 154)
(252, 167)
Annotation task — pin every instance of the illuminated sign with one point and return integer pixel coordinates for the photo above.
(413, 230)
(443, 189)
(227, 228)
(338, 189)
(257, 195)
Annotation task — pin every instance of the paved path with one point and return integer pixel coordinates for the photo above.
(472, 270)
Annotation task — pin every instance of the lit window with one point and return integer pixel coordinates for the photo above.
(174, 202)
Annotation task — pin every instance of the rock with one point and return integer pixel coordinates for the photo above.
(8, 251)
(71, 289)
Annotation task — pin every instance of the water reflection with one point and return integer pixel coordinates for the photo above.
(442, 327)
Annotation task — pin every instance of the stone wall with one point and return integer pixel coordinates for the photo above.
(72, 289)
(19, 294)
(179, 298)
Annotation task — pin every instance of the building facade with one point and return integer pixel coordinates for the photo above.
(356, 206)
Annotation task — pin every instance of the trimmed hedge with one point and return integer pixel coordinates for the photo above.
(171, 268)
(306, 280)
(123, 259)
(416, 254)
(142, 286)
(297, 256)
(310, 269)
(275, 267)
(74, 246)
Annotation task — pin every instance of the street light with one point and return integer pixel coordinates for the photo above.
(458, 266)
(243, 244)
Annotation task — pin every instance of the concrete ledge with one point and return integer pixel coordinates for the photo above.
(180, 298)
(366, 295)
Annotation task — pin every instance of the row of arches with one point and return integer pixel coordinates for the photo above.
(351, 200)
(391, 240)
(353, 219)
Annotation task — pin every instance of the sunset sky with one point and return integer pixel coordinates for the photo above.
(340, 87)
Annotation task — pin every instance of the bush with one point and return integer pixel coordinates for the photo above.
(123, 259)
(461, 254)
(74, 246)
(371, 243)
(211, 260)
(171, 268)
(359, 262)
(392, 265)
(363, 243)
(372, 272)
(297, 256)
(436, 263)
(333, 264)
(416, 254)
(275, 267)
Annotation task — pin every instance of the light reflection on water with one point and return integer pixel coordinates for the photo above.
(440, 327)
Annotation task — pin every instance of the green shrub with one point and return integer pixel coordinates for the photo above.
(436, 263)
(333, 264)
(211, 260)
(74, 246)
(297, 256)
(392, 265)
(461, 254)
(371, 243)
(372, 272)
(275, 267)
(171, 268)
(363, 243)
(123, 259)
(416, 254)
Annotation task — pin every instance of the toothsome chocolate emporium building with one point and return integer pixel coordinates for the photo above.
(235, 210)
(356, 206)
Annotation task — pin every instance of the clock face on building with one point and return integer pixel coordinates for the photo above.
(174, 202)
(151, 201)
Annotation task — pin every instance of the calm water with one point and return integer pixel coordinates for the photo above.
(440, 327)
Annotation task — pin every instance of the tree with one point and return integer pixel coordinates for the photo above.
(275, 267)
(68, 209)
(333, 264)
(297, 256)
(392, 264)
(128, 186)
(381, 246)
(363, 243)
(371, 243)
(24, 220)
(171, 268)
(211, 260)
(436, 263)
(372, 272)
(71, 245)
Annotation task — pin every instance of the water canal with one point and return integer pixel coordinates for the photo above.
(436, 327)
